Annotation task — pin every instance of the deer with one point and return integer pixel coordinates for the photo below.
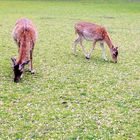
(95, 33)
(25, 35)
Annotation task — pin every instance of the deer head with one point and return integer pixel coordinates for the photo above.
(114, 53)
(18, 69)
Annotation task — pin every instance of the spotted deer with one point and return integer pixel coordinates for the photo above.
(95, 33)
(24, 34)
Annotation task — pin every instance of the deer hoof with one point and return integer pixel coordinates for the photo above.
(32, 71)
(105, 59)
(87, 57)
(74, 54)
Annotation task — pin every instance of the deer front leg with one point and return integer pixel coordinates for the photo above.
(103, 51)
(89, 55)
(31, 62)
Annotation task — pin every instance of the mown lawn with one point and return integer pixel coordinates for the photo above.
(70, 97)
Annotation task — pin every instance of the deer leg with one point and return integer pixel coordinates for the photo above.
(75, 44)
(83, 48)
(18, 44)
(89, 55)
(103, 51)
(31, 62)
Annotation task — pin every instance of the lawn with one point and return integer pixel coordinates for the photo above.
(69, 97)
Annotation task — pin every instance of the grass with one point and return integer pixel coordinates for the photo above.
(70, 97)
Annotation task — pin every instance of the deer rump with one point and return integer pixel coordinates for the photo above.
(24, 33)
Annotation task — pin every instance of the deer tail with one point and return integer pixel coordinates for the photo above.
(26, 26)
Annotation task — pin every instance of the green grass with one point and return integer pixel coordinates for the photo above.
(70, 97)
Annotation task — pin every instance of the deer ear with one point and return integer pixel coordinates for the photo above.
(23, 64)
(20, 66)
(26, 62)
(13, 60)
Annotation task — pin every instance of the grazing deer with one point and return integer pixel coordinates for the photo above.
(94, 33)
(25, 36)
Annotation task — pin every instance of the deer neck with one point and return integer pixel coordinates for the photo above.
(109, 42)
(23, 53)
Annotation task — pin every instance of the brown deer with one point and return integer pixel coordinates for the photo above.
(25, 36)
(94, 33)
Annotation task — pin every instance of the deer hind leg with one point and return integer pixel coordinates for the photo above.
(75, 44)
(31, 62)
(83, 48)
(103, 51)
(93, 47)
